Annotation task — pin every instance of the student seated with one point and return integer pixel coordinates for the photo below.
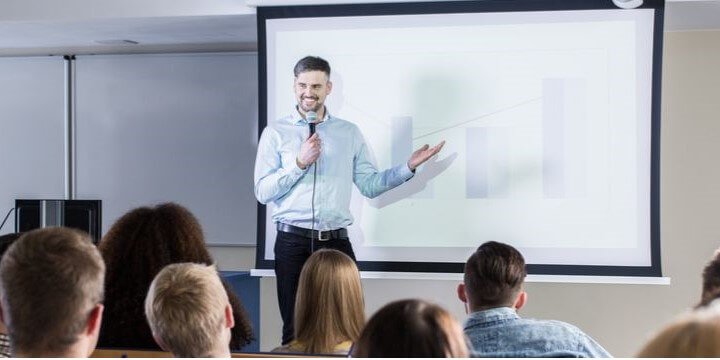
(329, 308)
(51, 291)
(189, 312)
(692, 335)
(411, 329)
(493, 293)
(711, 281)
(139, 245)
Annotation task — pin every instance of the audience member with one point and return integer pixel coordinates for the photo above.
(493, 293)
(189, 313)
(410, 329)
(711, 281)
(329, 309)
(51, 291)
(5, 242)
(139, 245)
(692, 335)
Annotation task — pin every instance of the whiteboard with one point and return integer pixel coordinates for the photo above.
(170, 127)
(32, 104)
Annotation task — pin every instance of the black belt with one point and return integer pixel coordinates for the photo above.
(315, 234)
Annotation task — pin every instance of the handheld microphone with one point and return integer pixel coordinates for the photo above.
(311, 118)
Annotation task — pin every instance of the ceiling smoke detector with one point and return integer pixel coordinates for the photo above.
(627, 4)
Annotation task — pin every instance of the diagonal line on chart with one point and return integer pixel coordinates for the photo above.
(511, 107)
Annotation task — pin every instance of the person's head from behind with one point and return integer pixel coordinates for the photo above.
(329, 307)
(692, 335)
(5, 242)
(189, 312)
(140, 244)
(494, 276)
(51, 291)
(312, 83)
(711, 281)
(145, 240)
(411, 328)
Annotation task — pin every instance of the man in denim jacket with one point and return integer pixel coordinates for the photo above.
(493, 292)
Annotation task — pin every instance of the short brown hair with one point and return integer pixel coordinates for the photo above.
(51, 279)
(692, 335)
(185, 308)
(329, 306)
(311, 63)
(494, 275)
(411, 328)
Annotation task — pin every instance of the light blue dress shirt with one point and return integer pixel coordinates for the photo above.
(500, 332)
(343, 161)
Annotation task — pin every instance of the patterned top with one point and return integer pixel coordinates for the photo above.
(4, 346)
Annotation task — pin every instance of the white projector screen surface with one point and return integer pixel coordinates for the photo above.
(547, 118)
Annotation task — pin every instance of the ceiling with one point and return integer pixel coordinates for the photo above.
(235, 32)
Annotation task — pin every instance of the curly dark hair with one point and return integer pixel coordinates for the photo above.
(135, 249)
(711, 281)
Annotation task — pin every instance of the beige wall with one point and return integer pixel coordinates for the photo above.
(620, 317)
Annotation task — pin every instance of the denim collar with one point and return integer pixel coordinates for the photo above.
(492, 315)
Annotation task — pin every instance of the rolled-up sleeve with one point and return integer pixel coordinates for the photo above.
(369, 180)
(272, 180)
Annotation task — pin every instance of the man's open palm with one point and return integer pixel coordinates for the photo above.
(424, 153)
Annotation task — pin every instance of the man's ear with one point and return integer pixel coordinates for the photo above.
(229, 319)
(329, 87)
(160, 342)
(520, 300)
(461, 293)
(94, 320)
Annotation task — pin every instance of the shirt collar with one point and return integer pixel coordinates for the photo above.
(298, 119)
(494, 314)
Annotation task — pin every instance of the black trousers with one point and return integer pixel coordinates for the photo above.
(291, 252)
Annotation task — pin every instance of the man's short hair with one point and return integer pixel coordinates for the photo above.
(185, 307)
(50, 280)
(494, 275)
(311, 63)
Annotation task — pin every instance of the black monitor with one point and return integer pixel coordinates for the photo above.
(78, 214)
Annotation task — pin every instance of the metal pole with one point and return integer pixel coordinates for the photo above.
(70, 186)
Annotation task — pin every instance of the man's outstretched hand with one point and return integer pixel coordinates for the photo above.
(422, 155)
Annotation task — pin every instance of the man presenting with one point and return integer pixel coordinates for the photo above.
(308, 179)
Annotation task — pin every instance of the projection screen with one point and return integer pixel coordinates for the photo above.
(549, 110)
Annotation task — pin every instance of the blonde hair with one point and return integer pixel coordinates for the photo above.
(50, 279)
(329, 307)
(694, 334)
(411, 329)
(185, 308)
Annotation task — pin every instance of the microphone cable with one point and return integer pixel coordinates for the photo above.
(312, 208)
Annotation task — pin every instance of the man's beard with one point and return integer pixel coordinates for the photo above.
(318, 105)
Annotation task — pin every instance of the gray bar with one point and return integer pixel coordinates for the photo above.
(402, 141)
(553, 136)
(476, 163)
(564, 138)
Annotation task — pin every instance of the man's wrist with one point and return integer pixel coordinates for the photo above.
(410, 167)
(300, 164)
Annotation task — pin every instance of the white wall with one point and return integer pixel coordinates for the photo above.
(621, 317)
(73, 10)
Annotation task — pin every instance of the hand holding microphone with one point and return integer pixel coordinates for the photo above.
(310, 149)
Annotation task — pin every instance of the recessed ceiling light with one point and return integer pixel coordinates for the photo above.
(117, 42)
